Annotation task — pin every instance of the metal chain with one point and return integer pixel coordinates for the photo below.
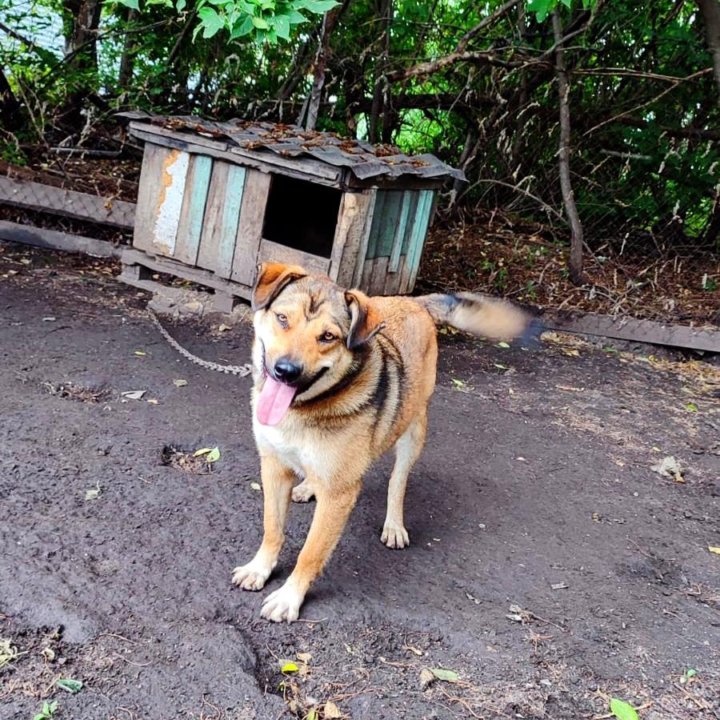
(241, 370)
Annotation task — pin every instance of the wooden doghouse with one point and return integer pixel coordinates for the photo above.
(217, 198)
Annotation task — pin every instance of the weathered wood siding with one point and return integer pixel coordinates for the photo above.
(204, 211)
(395, 241)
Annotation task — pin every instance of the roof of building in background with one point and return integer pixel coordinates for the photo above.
(290, 141)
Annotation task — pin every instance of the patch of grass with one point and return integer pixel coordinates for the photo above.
(8, 652)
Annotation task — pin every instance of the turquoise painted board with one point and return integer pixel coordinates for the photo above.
(192, 213)
(222, 216)
(230, 219)
(414, 197)
(419, 230)
(389, 223)
(399, 238)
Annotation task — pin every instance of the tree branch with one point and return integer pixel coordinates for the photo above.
(486, 22)
(576, 229)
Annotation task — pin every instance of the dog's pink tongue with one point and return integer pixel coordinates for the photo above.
(274, 401)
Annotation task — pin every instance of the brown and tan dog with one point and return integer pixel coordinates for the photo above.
(340, 378)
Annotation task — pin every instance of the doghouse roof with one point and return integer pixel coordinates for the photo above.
(298, 146)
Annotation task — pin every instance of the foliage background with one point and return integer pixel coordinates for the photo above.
(473, 82)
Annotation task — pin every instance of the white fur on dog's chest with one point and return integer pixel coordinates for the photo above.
(296, 449)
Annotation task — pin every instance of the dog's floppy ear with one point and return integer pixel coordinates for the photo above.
(364, 320)
(271, 279)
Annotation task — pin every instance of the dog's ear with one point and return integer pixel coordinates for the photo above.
(364, 319)
(271, 279)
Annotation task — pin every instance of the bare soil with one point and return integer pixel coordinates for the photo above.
(550, 568)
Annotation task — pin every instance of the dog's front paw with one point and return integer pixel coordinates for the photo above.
(283, 604)
(302, 493)
(252, 576)
(395, 536)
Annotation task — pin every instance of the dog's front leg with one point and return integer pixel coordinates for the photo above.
(277, 482)
(334, 504)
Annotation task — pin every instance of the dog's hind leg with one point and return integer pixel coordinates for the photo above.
(407, 450)
(303, 492)
(277, 480)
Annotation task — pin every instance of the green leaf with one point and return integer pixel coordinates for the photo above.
(446, 675)
(132, 4)
(282, 26)
(541, 8)
(288, 666)
(260, 23)
(691, 407)
(317, 6)
(623, 710)
(213, 455)
(296, 17)
(211, 22)
(245, 27)
(180, 5)
(70, 685)
(202, 451)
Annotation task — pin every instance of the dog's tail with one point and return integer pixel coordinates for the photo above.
(480, 315)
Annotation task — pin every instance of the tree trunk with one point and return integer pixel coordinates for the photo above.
(710, 11)
(10, 108)
(576, 229)
(127, 60)
(83, 17)
(380, 90)
(328, 24)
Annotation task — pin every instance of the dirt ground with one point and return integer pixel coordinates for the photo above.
(550, 570)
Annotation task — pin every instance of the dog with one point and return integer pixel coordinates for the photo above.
(339, 379)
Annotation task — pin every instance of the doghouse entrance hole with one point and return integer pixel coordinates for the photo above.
(301, 215)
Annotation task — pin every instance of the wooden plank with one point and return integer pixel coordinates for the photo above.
(82, 206)
(389, 225)
(353, 216)
(400, 231)
(367, 274)
(394, 280)
(54, 240)
(252, 217)
(376, 226)
(359, 262)
(417, 237)
(150, 178)
(275, 252)
(192, 213)
(265, 162)
(231, 218)
(222, 215)
(196, 275)
(379, 276)
(169, 203)
(646, 331)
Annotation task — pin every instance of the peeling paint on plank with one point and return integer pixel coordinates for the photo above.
(167, 215)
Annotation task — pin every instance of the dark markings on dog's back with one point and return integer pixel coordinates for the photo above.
(390, 383)
(380, 393)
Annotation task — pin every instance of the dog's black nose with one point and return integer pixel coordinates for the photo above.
(287, 371)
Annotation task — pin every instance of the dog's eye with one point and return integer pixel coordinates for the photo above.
(282, 319)
(327, 337)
